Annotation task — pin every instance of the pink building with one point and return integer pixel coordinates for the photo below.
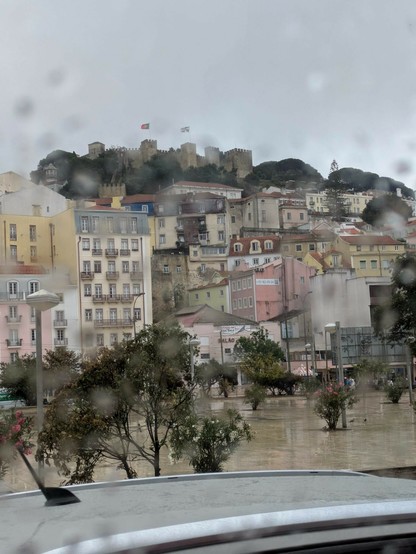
(267, 291)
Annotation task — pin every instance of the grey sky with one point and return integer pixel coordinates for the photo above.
(311, 79)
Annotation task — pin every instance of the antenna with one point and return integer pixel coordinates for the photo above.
(55, 496)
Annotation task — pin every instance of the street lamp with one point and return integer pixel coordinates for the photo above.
(334, 328)
(192, 344)
(143, 315)
(307, 347)
(41, 301)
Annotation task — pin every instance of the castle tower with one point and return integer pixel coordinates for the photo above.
(239, 159)
(188, 155)
(95, 149)
(148, 148)
(212, 155)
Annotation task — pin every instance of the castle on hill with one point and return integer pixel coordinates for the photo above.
(237, 159)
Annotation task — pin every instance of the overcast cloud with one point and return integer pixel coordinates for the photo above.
(310, 79)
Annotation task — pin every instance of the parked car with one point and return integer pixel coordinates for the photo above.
(7, 401)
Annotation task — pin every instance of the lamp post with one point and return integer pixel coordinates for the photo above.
(41, 301)
(334, 328)
(307, 347)
(143, 313)
(192, 343)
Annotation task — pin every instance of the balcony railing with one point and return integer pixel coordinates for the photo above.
(113, 297)
(127, 297)
(14, 343)
(97, 251)
(60, 342)
(136, 275)
(124, 252)
(7, 297)
(99, 298)
(110, 275)
(111, 252)
(113, 322)
(102, 298)
(87, 275)
(16, 319)
(60, 323)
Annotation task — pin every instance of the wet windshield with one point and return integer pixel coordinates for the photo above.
(207, 238)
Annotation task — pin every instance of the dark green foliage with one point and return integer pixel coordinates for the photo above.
(388, 209)
(255, 395)
(361, 181)
(213, 373)
(290, 169)
(258, 344)
(395, 389)
(19, 378)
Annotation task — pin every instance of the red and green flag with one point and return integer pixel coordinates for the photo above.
(145, 126)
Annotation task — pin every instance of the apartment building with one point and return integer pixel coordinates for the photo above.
(113, 249)
(248, 252)
(354, 202)
(215, 295)
(191, 187)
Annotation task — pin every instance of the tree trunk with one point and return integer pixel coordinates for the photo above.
(156, 462)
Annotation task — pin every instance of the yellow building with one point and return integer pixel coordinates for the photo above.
(214, 295)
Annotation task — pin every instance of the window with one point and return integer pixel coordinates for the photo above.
(359, 248)
(220, 219)
(203, 268)
(137, 314)
(98, 291)
(267, 260)
(13, 231)
(126, 314)
(195, 253)
(13, 252)
(289, 216)
(363, 264)
(244, 283)
(13, 288)
(256, 261)
(126, 290)
(124, 244)
(125, 267)
(196, 296)
(111, 266)
(133, 223)
(240, 303)
(85, 244)
(237, 247)
(311, 247)
(373, 264)
(113, 314)
(113, 338)
(239, 285)
(268, 245)
(36, 209)
(96, 244)
(84, 224)
(234, 304)
(166, 268)
(208, 295)
(205, 356)
(162, 239)
(178, 269)
(237, 263)
(14, 356)
(233, 286)
(161, 223)
(110, 225)
(112, 290)
(99, 314)
(33, 253)
(298, 248)
(255, 245)
(88, 315)
(221, 292)
(33, 335)
(13, 313)
(301, 216)
(95, 224)
(135, 244)
(60, 336)
(250, 301)
(123, 225)
(145, 208)
(100, 340)
(87, 290)
(33, 286)
(233, 219)
(111, 245)
(249, 282)
(263, 216)
(221, 236)
(136, 289)
(227, 350)
(32, 233)
(385, 264)
(97, 266)
(86, 267)
(249, 216)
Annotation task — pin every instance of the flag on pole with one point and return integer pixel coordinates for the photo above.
(185, 129)
(145, 126)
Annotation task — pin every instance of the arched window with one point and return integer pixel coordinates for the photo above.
(33, 286)
(255, 245)
(13, 289)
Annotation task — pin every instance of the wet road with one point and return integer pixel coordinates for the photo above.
(288, 435)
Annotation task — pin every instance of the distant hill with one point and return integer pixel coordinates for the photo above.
(290, 169)
(361, 181)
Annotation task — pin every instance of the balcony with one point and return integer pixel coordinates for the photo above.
(87, 275)
(7, 297)
(60, 323)
(113, 297)
(111, 252)
(113, 323)
(136, 275)
(97, 251)
(16, 319)
(111, 275)
(60, 342)
(127, 297)
(14, 343)
(124, 252)
(98, 298)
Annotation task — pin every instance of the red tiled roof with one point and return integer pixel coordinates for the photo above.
(370, 239)
(22, 269)
(222, 283)
(202, 185)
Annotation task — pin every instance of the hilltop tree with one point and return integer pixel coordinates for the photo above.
(388, 209)
(122, 407)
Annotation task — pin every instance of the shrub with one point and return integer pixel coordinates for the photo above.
(15, 432)
(394, 390)
(254, 396)
(208, 442)
(309, 386)
(331, 400)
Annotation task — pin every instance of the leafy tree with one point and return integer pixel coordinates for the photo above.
(373, 370)
(19, 378)
(331, 400)
(395, 389)
(60, 366)
(208, 442)
(396, 320)
(255, 395)
(123, 406)
(213, 373)
(258, 344)
(15, 432)
(334, 201)
(388, 209)
(290, 169)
